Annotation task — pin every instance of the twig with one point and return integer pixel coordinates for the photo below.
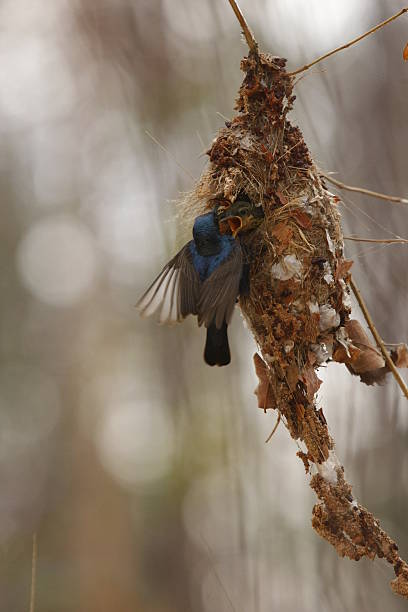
(382, 241)
(249, 37)
(33, 572)
(368, 192)
(378, 338)
(223, 116)
(275, 428)
(289, 150)
(163, 148)
(349, 44)
(216, 574)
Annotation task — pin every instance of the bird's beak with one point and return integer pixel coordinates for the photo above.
(234, 224)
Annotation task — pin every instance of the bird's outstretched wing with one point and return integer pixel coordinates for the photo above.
(220, 290)
(174, 291)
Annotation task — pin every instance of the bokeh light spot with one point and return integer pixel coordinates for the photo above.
(24, 64)
(56, 260)
(135, 442)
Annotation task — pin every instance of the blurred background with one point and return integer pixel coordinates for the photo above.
(145, 473)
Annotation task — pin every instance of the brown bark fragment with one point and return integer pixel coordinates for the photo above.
(353, 530)
(400, 584)
(304, 457)
(311, 382)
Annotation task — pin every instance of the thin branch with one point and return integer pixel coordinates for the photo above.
(33, 572)
(249, 37)
(290, 149)
(368, 192)
(223, 116)
(349, 44)
(378, 240)
(378, 338)
(216, 574)
(275, 427)
(163, 148)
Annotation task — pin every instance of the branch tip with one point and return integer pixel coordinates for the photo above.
(249, 37)
(349, 44)
(368, 192)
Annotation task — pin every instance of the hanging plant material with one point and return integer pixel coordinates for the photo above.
(298, 305)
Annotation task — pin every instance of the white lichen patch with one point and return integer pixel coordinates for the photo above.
(313, 307)
(288, 267)
(298, 306)
(328, 469)
(330, 243)
(268, 358)
(322, 351)
(288, 346)
(329, 318)
(343, 339)
(328, 274)
(346, 295)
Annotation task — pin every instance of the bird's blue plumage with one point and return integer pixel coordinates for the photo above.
(202, 279)
(209, 249)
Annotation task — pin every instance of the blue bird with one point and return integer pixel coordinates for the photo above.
(204, 279)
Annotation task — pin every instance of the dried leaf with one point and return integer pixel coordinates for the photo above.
(376, 377)
(343, 266)
(303, 219)
(363, 356)
(264, 390)
(370, 358)
(357, 334)
(283, 233)
(282, 198)
(405, 52)
(400, 356)
(340, 355)
(311, 382)
(367, 360)
(311, 358)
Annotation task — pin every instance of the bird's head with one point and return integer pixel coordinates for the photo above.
(241, 216)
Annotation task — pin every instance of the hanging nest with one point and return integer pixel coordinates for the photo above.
(298, 307)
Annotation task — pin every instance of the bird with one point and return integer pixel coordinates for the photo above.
(206, 276)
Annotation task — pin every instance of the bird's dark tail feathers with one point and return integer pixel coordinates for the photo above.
(217, 350)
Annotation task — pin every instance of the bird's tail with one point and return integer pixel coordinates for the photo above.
(217, 350)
